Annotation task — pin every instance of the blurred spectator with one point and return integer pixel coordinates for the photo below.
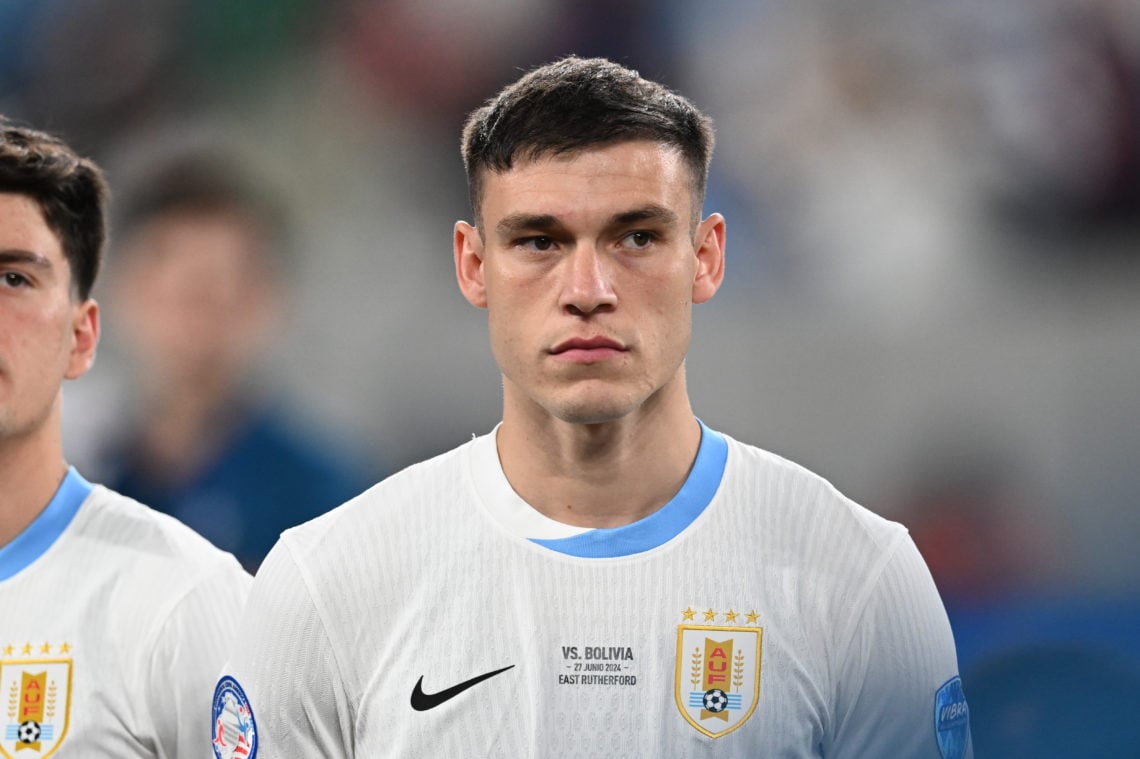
(200, 292)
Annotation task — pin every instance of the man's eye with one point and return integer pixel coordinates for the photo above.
(12, 279)
(537, 243)
(639, 239)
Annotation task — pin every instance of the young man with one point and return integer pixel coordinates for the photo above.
(116, 617)
(602, 575)
(201, 285)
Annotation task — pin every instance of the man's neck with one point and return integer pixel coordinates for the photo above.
(182, 428)
(31, 470)
(599, 475)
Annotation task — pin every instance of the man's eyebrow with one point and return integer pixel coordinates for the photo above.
(16, 256)
(518, 222)
(515, 223)
(652, 212)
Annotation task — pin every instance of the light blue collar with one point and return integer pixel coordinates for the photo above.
(662, 525)
(39, 536)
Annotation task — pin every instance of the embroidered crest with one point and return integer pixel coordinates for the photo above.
(37, 695)
(717, 683)
(234, 731)
(951, 719)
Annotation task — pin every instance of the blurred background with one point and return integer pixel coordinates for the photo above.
(933, 295)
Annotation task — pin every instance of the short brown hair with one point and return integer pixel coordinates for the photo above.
(205, 182)
(575, 103)
(70, 190)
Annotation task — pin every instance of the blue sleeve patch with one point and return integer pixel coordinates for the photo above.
(234, 731)
(952, 719)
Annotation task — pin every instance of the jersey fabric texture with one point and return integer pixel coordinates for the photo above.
(758, 613)
(116, 621)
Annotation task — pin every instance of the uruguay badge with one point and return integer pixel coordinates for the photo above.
(37, 694)
(717, 682)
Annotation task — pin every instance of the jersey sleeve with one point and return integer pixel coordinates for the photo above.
(190, 646)
(283, 672)
(899, 691)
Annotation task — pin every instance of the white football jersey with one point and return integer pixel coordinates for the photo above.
(116, 621)
(758, 613)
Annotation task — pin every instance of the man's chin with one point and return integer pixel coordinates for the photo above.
(594, 410)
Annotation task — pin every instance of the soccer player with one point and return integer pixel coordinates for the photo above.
(116, 618)
(602, 574)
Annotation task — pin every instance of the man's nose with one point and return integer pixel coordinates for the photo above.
(587, 287)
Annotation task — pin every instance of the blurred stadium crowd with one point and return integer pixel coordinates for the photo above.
(933, 215)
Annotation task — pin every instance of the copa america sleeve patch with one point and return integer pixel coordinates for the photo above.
(951, 719)
(234, 730)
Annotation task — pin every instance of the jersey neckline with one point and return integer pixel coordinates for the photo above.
(45, 529)
(517, 516)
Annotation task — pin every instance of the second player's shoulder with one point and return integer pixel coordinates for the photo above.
(402, 504)
(148, 563)
(120, 526)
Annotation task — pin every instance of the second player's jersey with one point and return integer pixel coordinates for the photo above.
(759, 613)
(115, 623)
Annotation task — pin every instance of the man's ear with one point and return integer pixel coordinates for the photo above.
(84, 338)
(469, 264)
(709, 244)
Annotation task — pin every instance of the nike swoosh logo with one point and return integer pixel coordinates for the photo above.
(421, 701)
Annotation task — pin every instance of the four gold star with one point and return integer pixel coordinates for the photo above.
(752, 617)
(28, 649)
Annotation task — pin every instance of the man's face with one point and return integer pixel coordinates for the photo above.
(196, 296)
(589, 266)
(46, 335)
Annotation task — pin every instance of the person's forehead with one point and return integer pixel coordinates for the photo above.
(193, 228)
(650, 169)
(20, 203)
(199, 216)
(22, 221)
